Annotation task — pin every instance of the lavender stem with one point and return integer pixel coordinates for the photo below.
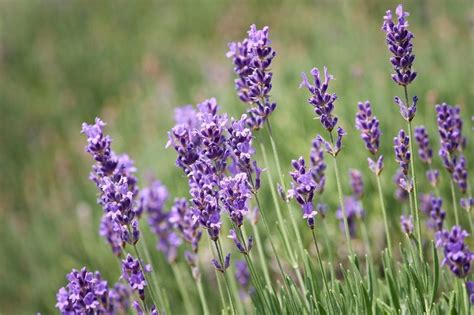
(384, 213)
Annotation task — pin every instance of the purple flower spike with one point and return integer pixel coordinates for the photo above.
(152, 201)
(376, 166)
(87, 293)
(181, 217)
(406, 222)
(302, 189)
(235, 194)
(368, 126)
(457, 255)
(244, 249)
(450, 128)
(357, 183)
(132, 273)
(424, 150)
(336, 148)
(399, 42)
(318, 166)
(402, 154)
(242, 273)
(400, 193)
(467, 203)
(321, 100)
(407, 111)
(460, 172)
(354, 210)
(470, 291)
(252, 60)
(433, 177)
(437, 214)
(218, 265)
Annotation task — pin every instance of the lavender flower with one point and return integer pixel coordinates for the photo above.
(399, 42)
(457, 255)
(470, 291)
(401, 194)
(222, 267)
(357, 183)
(252, 59)
(437, 214)
(368, 126)
(119, 297)
(467, 203)
(243, 248)
(302, 189)
(424, 149)
(406, 223)
(450, 128)
(112, 232)
(354, 210)
(318, 166)
(460, 172)
(133, 274)
(402, 154)
(152, 201)
(433, 177)
(321, 100)
(407, 111)
(333, 149)
(425, 203)
(376, 166)
(234, 195)
(85, 293)
(242, 274)
(181, 216)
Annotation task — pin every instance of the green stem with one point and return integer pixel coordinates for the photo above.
(455, 204)
(180, 280)
(261, 255)
(153, 274)
(384, 213)
(145, 274)
(221, 292)
(413, 175)
(341, 204)
(329, 249)
(325, 280)
(202, 297)
(224, 274)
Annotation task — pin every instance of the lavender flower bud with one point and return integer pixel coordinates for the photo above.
(399, 42)
(402, 154)
(112, 232)
(217, 265)
(357, 183)
(242, 273)
(470, 291)
(368, 126)
(321, 100)
(457, 255)
(244, 249)
(450, 128)
(318, 166)
(406, 110)
(376, 167)
(424, 150)
(234, 195)
(460, 172)
(133, 274)
(354, 210)
(302, 189)
(400, 194)
(437, 214)
(433, 177)
(181, 217)
(467, 203)
(406, 222)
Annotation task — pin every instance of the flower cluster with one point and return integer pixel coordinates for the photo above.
(181, 216)
(402, 156)
(87, 293)
(252, 59)
(152, 201)
(369, 127)
(425, 152)
(321, 100)
(407, 111)
(406, 222)
(115, 179)
(357, 184)
(437, 214)
(457, 255)
(234, 196)
(318, 166)
(224, 266)
(302, 189)
(133, 274)
(354, 210)
(242, 274)
(399, 42)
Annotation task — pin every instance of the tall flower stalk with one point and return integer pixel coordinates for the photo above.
(399, 42)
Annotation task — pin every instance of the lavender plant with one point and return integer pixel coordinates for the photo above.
(219, 164)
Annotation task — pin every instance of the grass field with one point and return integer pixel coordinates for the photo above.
(131, 63)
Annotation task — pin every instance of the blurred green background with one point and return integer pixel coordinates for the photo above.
(132, 62)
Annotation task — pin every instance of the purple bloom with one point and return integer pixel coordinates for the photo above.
(235, 194)
(376, 166)
(460, 172)
(252, 59)
(470, 290)
(424, 149)
(242, 274)
(354, 210)
(425, 203)
(433, 177)
(333, 149)
(450, 128)
(318, 166)
(133, 274)
(222, 267)
(152, 201)
(400, 193)
(467, 203)
(302, 189)
(243, 248)
(457, 255)
(437, 214)
(406, 223)
(368, 126)
(181, 216)
(357, 183)
(402, 154)
(399, 42)
(85, 293)
(321, 100)
(112, 232)
(119, 297)
(407, 111)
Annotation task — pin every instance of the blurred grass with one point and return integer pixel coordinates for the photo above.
(131, 63)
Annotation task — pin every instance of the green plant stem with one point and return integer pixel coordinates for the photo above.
(329, 249)
(224, 274)
(341, 204)
(261, 255)
(150, 287)
(455, 204)
(384, 213)
(202, 297)
(180, 280)
(323, 273)
(413, 175)
(221, 292)
(153, 274)
(430, 167)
